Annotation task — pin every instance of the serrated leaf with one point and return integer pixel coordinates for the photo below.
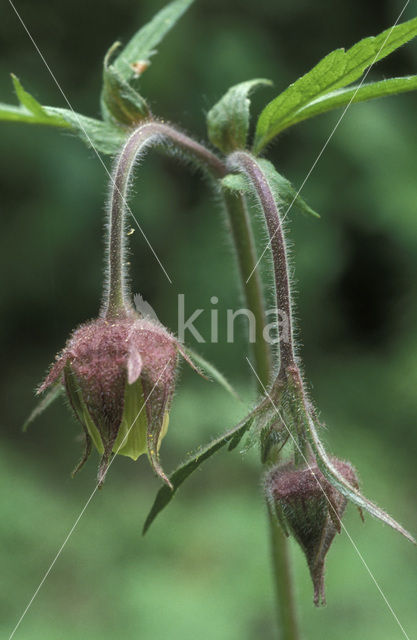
(228, 120)
(338, 69)
(165, 494)
(53, 393)
(343, 97)
(283, 191)
(142, 46)
(103, 136)
(211, 371)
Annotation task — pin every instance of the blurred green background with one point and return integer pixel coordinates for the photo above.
(203, 570)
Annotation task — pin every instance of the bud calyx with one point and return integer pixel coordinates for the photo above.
(310, 508)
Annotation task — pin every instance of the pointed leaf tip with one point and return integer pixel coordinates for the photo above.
(191, 360)
(52, 394)
(166, 493)
(206, 369)
(26, 99)
(142, 45)
(120, 102)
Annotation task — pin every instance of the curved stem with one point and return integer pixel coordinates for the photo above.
(116, 303)
(115, 298)
(246, 253)
(149, 133)
(285, 602)
(248, 165)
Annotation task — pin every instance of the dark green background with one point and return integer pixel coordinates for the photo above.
(203, 570)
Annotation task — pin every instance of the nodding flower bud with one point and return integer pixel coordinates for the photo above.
(310, 508)
(119, 377)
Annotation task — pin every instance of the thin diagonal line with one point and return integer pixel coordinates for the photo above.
(71, 531)
(330, 504)
(329, 138)
(88, 137)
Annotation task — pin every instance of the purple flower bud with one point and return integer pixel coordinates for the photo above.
(310, 508)
(119, 377)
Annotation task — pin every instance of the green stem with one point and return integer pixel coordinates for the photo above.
(241, 230)
(247, 259)
(285, 604)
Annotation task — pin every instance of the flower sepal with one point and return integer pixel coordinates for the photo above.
(119, 377)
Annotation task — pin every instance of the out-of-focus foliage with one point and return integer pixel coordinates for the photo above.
(336, 70)
(206, 559)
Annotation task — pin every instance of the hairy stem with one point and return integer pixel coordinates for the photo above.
(246, 255)
(244, 162)
(150, 133)
(116, 301)
(248, 165)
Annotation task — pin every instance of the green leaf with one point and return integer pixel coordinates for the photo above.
(236, 182)
(338, 69)
(238, 435)
(142, 46)
(165, 494)
(228, 120)
(211, 371)
(11, 113)
(104, 137)
(351, 95)
(53, 393)
(285, 194)
(28, 101)
(30, 110)
(120, 102)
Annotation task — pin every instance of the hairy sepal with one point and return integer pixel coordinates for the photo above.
(336, 479)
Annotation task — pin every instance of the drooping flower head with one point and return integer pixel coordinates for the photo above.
(119, 376)
(119, 370)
